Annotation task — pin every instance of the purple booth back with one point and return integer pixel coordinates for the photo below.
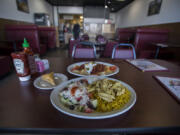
(48, 36)
(109, 48)
(126, 35)
(30, 32)
(144, 39)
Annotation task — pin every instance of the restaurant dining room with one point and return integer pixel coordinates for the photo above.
(90, 67)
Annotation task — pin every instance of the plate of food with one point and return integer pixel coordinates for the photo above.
(93, 68)
(49, 81)
(93, 97)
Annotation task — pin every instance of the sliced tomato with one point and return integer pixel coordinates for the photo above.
(88, 110)
(73, 90)
(112, 68)
(78, 99)
(75, 68)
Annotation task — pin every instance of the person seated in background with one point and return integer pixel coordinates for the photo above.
(76, 31)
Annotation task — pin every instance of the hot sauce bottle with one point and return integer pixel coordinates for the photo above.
(30, 55)
(21, 65)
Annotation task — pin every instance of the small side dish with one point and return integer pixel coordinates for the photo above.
(49, 80)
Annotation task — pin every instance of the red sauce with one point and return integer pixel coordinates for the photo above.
(73, 90)
(21, 64)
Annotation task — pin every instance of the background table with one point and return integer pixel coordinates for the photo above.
(164, 45)
(100, 47)
(23, 108)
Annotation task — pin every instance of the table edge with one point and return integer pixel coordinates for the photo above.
(92, 130)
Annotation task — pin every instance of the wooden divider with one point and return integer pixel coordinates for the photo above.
(174, 30)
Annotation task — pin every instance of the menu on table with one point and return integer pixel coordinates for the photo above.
(146, 65)
(171, 84)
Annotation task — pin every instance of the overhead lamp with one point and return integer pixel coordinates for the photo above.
(106, 6)
(81, 17)
(109, 2)
(106, 21)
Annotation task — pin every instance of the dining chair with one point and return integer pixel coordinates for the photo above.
(71, 45)
(84, 37)
(122, 53)
(101, 39)
(86, 50)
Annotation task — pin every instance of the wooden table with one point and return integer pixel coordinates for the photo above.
(25, 109)
(164, 45)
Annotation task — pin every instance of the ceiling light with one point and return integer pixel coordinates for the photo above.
(81, 17)
(109, 2)
(112, 9)
(106, 6)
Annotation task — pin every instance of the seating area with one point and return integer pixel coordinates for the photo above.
(40, 38)
(142, 40)
(145, 37)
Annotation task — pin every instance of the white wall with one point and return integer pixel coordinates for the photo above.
(55, 10)
(8, 10)
(112, 17)
(65, 10)
(70, 10)
(94, 20)
(135, 14)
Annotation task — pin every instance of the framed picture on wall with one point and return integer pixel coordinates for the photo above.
(22, 5)
(154, 7)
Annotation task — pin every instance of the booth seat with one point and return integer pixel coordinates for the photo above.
(47, 36)
(126, 35)
(30, 32)
(6, 65)
(109, 48)
(144, 39)
(6, 48)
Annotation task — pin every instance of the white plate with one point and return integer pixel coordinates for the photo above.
(54, 97)
(80, 63)
(58, 77)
